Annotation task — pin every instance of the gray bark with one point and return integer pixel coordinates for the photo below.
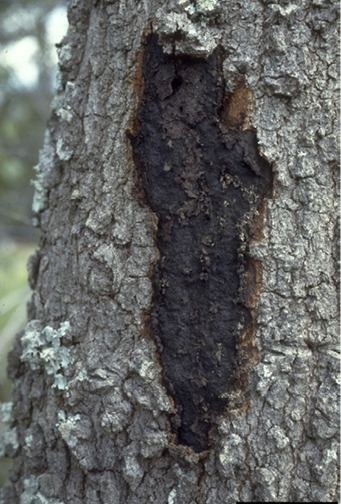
(90, 415)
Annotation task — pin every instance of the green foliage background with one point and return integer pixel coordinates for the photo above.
(24, 110)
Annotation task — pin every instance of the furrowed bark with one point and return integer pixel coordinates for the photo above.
(127, 310)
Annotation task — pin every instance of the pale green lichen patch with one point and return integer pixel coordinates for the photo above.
(171, 496)
(65, 427)
(5, 412)
(31, 494)
(44, 348)
(226, 456)
(28, 440)
(204, 7)
(64, 152)
(9, 437)
(40, 195)
(132, 471)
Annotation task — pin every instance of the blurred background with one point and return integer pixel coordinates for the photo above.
(29, 30)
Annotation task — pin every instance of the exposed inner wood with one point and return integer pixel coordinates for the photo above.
(202, 176)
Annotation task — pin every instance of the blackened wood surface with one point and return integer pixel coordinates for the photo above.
(204, 184)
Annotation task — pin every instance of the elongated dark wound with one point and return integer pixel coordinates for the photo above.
(204, 181)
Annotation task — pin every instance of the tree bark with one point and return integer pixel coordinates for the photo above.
(207, 125)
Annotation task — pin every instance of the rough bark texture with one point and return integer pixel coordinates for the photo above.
(91, 411)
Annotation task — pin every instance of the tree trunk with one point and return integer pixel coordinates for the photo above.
(182, 337)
